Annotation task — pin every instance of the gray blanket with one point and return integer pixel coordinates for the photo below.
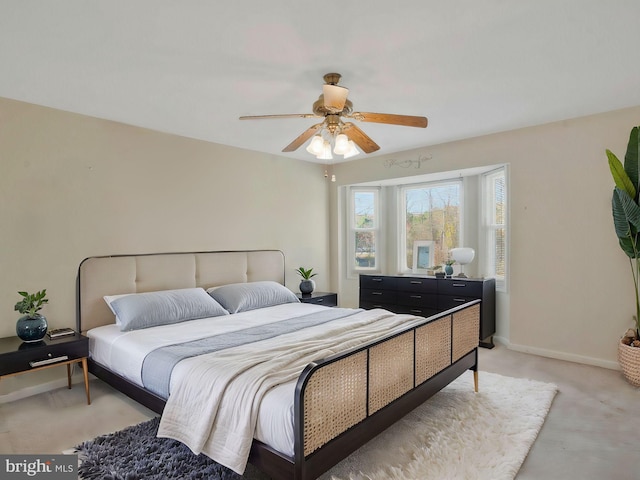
(158, 364)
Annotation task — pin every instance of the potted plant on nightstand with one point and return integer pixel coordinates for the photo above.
(306, 284)
(626, 220)
(32, 326)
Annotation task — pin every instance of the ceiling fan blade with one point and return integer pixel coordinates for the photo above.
(306, 135)
(404, 120)
(334, 97)
(359, 137)
(287, 115)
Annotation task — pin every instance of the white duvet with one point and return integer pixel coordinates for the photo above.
(219, 402)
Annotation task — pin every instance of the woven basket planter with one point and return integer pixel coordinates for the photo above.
(629, 358)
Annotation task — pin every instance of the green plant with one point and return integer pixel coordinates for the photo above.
(626, 209)
(306, 274)
(31, 303)
(450, 262)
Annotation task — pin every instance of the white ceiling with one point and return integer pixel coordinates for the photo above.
(192, 67)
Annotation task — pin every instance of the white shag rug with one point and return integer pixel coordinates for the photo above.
(457, 434)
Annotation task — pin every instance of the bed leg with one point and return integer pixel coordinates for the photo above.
(475, 381)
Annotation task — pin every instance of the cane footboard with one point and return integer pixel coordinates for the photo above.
(345, 400)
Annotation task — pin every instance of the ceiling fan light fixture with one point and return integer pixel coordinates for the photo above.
(341, 145)
(326, 152)
(352, 150)
(316, 145)
(334, 97)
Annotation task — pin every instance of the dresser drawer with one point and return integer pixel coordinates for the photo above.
(387, 306)
(462, 287)
(445, 302)
(417, 299)
(378, 282)
(419, 311)
(377, 295)
(412, 284)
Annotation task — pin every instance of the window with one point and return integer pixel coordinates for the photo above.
(495, 226)
(430, 212)
(364, 243)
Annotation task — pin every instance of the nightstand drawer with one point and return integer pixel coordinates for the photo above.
(19, 359)
(327, 299)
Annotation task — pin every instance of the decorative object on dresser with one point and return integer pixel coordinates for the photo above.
(17, 357)
(626, 220)
(32, 326)
(426, 296)
(448, 267)
(306, 284)
(328, 299)
(463, 255)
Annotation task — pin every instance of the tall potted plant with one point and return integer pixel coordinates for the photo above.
(626, 220)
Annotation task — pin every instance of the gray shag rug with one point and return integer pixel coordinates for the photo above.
(136, 453)
(456, 434)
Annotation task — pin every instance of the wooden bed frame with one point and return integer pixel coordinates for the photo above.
(341, 402)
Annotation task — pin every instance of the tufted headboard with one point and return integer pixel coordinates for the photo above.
(119, 274)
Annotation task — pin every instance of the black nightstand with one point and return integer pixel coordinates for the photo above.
(327, 299)
(17, 357)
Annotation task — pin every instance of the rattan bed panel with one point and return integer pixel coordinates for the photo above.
(114, 275)
(335, 400)
(465, 328)
(433, 348)
(390, 370)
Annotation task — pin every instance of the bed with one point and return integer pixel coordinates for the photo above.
(333, 402)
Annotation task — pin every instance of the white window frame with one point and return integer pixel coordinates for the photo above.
(490, 227)
(402, 211)
(354, 270)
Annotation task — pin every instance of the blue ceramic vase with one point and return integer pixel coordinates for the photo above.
(448, 269)
(31, 328)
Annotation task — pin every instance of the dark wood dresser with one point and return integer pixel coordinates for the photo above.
(425, 296)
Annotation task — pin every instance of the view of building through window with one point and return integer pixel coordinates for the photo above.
(432, 212)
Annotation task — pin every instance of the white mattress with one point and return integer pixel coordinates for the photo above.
(124, 353)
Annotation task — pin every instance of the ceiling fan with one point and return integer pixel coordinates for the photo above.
(333, 106)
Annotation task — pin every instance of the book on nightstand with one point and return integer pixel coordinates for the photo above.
(60, 332)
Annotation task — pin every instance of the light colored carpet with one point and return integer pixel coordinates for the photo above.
(457, 434)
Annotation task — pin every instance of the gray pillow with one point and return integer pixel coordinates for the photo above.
(240, 297)
(143, 310)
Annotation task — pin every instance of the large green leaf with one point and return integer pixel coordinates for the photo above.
(619, 175)
(626, 220)
(632, 158)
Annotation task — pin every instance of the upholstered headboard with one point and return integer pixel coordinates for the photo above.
(114, 275)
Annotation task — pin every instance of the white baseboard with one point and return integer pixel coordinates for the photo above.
(40, 388)
(569, 357)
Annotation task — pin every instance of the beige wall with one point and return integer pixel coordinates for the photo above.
(73, 186)
(571, 292)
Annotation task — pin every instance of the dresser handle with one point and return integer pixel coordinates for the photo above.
(376, 293)
(415, 296)
(415, 311)
(461, 300)
(376, 279)
(459, 284)
(319, 300)
(416, 282)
